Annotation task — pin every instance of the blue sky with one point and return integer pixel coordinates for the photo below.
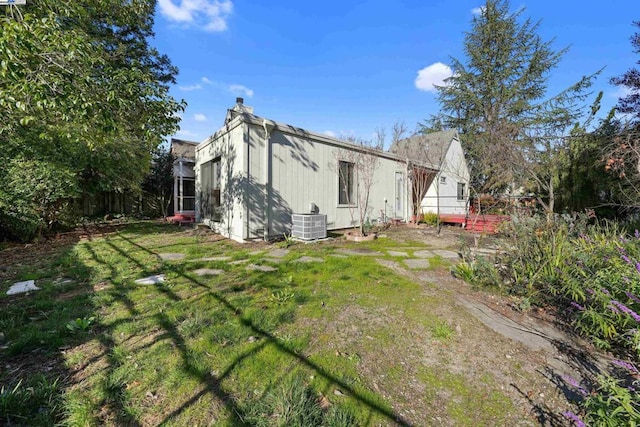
(348, 67)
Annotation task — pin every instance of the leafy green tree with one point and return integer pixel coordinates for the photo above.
(159, 182)
(82, 88)
(497, 99)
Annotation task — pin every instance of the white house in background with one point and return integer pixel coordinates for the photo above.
(448, 193)
(184, 186)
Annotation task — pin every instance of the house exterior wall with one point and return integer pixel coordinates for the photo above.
(454, 170)
(268, 174)
(228, 145)
(304, 170)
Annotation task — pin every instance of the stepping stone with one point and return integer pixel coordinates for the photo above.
(278, 253)
(207, 272)
(274, 260)
(256, 252)
(309, 259)
(428, 277)
(171, 257)
(338, 256)
(151, 280)
(398, 253)
(263, 268)
(359, 252)
(240, 261)
(446, 254)
(215, 258)
(22, 287)
(416, 264)
(423, 254)
(485, 251)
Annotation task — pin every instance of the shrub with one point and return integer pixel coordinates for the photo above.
(591, 273)
(37, 196)
(430, 218)
(478, 272)
(612, 403)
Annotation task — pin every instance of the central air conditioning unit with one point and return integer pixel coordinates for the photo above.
(309, 226)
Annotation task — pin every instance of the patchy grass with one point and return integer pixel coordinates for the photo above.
(310, 344)
(466, 404)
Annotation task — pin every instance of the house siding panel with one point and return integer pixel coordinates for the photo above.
(454, 169)
(306, 171)
(228, 145)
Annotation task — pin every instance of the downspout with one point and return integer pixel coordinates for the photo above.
(181, 189)
(175, 190)
(268, 126)
(408, 195)
(247, 163)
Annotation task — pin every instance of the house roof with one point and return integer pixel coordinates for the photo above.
(429, 148)
(181, 148)
(237, 115)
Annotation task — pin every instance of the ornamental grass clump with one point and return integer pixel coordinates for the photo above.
(533, 262)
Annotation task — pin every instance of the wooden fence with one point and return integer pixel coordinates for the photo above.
(125, 203)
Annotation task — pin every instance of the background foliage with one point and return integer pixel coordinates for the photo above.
(85, 99)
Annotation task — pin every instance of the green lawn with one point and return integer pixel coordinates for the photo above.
(317, 343)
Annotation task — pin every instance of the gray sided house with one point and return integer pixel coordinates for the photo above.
(184, 189)
(448, 191)
(253, 173)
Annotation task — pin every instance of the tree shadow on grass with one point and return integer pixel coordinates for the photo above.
(213, 383)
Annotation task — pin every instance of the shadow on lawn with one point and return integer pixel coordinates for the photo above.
(213, 383)
(40, 327)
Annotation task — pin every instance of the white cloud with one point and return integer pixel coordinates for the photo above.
(477, 10)
(330, 133)
(187, 133)
(210, 15)
(199, 117)
(190, 88)
(234, 89)
(434, 74)
(240, 90)
(621, 92)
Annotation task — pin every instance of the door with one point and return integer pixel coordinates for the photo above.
(399, 202)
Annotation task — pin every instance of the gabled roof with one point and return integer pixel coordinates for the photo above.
(235, 116)
(429, 148)
(181, 148)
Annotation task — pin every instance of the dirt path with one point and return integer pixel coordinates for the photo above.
(545, 355)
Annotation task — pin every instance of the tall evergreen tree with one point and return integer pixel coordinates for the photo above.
(630, 104)
(497, 99)
(622, 153)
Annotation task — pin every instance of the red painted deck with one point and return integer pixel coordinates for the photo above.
(475, 223)
(182, 219)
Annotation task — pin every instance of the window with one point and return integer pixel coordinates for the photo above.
(210, 196)
(187, 194)
(345, 183)
(461, 188)
(443, 179)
